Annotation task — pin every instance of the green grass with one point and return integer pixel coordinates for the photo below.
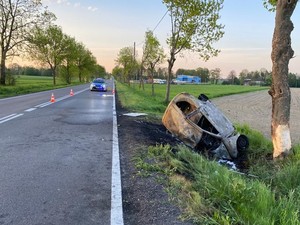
(137, 99)
(208, 193)
(30, 84)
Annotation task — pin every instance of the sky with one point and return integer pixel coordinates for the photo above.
(106, 26)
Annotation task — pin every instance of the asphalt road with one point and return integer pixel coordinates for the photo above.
(55, 159)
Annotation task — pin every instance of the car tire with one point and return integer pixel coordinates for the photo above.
(203, 97)
(242, 143)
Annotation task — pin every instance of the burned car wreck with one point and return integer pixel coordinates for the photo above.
(199, 124)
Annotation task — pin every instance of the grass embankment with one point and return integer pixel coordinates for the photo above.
(209, 193)
(136, 99)
(30, 84)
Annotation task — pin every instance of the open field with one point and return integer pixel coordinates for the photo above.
(212, 91)
(30, 84)
(136, 99)
(255, 109)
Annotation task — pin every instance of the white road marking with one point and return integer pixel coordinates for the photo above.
(116, 213)
(15, 115)
(30, 110)
(62, 98)
(78, 92)
(3, 118)
(8, 118)
(43, 105)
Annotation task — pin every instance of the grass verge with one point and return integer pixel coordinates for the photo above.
(209, 193)
(30, 84)
(136, 99)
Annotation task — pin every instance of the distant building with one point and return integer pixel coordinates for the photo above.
(188, 79)
(247, 82)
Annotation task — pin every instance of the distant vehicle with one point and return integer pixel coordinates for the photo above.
(186, 79)
(98, 84)
(159, 81)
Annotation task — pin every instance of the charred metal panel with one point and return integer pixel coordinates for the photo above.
(201, 125)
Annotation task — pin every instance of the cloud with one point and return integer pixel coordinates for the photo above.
(77, 4)
(62, 1)
(93, 9)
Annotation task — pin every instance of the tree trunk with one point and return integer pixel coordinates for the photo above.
(2, 70)
(170, 66)
(53, 69)
(141, 78)
(79, 76)
(54, 77)
(282, 52)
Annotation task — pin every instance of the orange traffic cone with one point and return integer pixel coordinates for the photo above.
(52, 98)
(71, 92)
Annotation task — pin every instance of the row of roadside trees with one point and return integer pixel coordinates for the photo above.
(213, 76)
(49, 45)
(27, 29)
(194, 26)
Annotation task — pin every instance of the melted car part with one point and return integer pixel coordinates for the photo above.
(202, 126)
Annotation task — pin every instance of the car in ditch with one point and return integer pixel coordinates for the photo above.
(199, 124)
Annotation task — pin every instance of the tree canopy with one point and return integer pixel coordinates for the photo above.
(52, 47)
(194, 26)
(18, 17)
(153, 54)
(126, 60)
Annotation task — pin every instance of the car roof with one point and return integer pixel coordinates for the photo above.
(99, 80)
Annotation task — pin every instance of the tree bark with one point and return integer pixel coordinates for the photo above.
(141, 78)
(170, 66)
(79, 75)
(2, 71)
(53, 69)
(282, 52)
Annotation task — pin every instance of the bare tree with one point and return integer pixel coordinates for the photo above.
(18, 17)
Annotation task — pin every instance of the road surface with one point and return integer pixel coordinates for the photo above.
(55, 158)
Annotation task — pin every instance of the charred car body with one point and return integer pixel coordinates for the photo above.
(202, 126)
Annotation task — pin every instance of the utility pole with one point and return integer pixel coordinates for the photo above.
(134, 51)
(134, 59)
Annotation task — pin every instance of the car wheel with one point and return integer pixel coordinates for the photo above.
(203, 97)
(242, 143)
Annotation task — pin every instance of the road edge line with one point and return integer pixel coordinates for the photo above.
(116, 213)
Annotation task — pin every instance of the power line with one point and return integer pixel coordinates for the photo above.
(160, 21)
(156, 25)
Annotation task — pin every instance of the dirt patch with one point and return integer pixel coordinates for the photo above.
(255, 109)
